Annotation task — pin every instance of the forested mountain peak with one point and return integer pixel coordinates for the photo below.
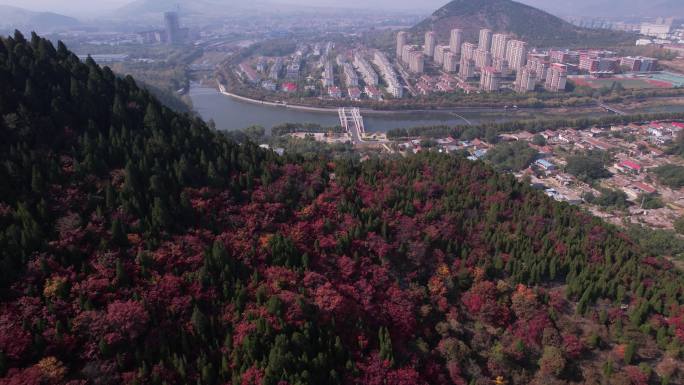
(523, 21)
(138, 246)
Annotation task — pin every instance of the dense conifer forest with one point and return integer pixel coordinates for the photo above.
(138, 246)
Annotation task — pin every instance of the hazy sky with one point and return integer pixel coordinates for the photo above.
(80, 7)
(92, 7)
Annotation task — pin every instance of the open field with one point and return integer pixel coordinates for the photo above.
(628, 83)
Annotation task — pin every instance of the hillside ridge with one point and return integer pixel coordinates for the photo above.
(533, 25)
(138, 246)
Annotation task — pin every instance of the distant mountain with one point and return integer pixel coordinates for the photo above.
(14, 17)
(528, 23)
(611, 8)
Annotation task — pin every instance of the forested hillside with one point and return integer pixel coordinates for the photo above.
(533, 25)
(140, 247)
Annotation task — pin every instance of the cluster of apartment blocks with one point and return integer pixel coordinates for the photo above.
(360, 65)
(498, 55)
(493, 57)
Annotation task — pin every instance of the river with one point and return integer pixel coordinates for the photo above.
(232, 114)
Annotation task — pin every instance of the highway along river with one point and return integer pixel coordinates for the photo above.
(232, 114)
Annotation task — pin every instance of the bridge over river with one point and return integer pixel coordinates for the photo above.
(352, 121)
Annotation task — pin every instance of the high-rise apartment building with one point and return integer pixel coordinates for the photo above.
(417, 62)
(526, 79)
(450, 61)
(556, 77)
(439, 54)
(467, 69)
(516, 54)
(499, 45)
(489, 80)
(456, 40)
(482, 58)
(172, 28)
(485, 42)
(501, 65)
(402, 36)
(540, 63)
(430, 43)
(406, 53)
(467, 50)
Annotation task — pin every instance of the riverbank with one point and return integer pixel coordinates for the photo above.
(446, 110)
(223, 91)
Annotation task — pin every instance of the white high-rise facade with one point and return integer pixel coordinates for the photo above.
(499, 42)
(468, 50)
(556, 77)
(450, 61)
(456, 40)
(485, 42)
(489, 81)
(482, 58)
(467, 69)
(416, 62)
(430, 43)
(525, 79)
(401, 42)
(440, 51)
(516, 54)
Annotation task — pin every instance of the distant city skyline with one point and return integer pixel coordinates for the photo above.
(101, 7)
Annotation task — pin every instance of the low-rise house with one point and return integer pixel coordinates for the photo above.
(354, 93)
(545, 165)
(373, 93)
(269, 85)
(629, 167)
(334, 92)
(289, 87)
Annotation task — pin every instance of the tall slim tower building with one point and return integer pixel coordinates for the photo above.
(450, 61)
(485, 42)
(489, 81)
(468, 50)
(482, 58)
(556, 77)
(430, 43)
(416, 62)
(456, 40)
(440, 50)
(525, 79)
(172, 27)
(499, 42)
(401, 42)
(516, 54)
(467, 68)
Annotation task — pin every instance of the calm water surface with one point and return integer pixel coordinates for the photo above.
(232, 114)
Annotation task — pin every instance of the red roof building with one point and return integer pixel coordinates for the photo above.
(289, 87)
(645, 187)
(628, 165)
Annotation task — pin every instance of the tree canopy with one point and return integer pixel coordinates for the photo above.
(140, 246)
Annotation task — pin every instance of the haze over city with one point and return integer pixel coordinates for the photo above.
(86, 8)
